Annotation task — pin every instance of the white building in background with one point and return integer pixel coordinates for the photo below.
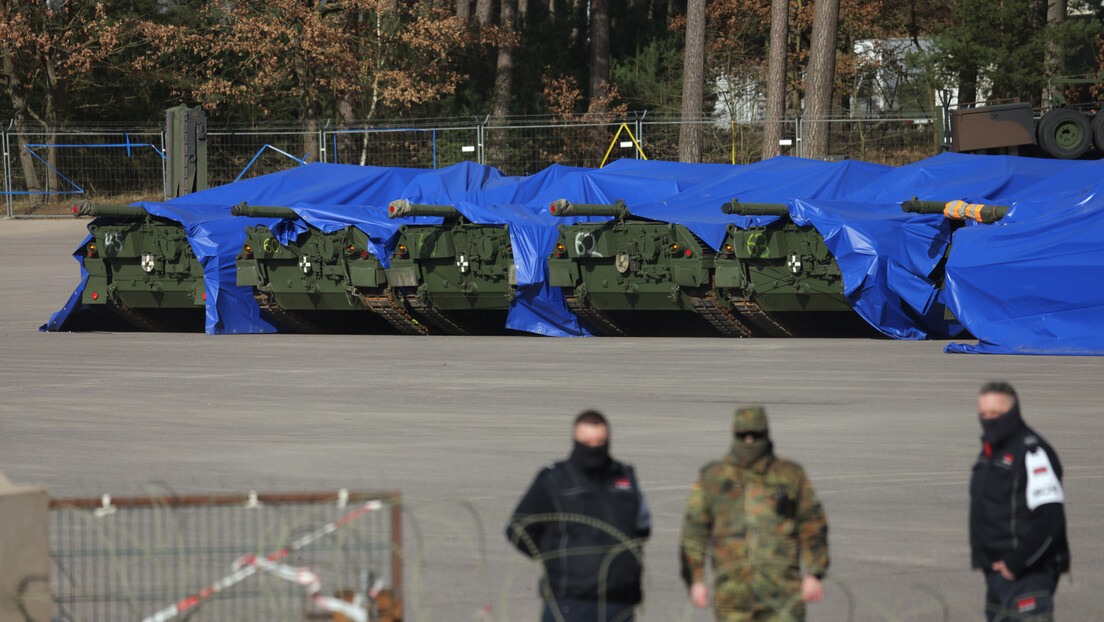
(739, 100)
(885, 83)
(882, 88)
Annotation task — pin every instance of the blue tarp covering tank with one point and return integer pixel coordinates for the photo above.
(1027, 284)
(886, 255)
(522, 203)
(216, 236)
(1032, 282)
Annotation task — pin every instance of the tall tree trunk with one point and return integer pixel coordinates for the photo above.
(504, 72)
(50, 116)
(18, 98)
(463, 11)
(822, 77)
(346, 117)
(693, 84)
(967, 86)
(308, 112)
(1055, 15)
(599, 54)
(484, 13)
(776, 79)
(504, 78)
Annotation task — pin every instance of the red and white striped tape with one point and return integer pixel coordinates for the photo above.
(247, 566)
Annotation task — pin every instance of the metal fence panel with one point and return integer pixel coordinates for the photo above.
(733, 143)
(43, 169)
(411, 147)
(127, 166)
(527, 149)
(880, 140)
(242, 155)
(236, 557)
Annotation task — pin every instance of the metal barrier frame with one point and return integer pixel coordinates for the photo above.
(107, 503)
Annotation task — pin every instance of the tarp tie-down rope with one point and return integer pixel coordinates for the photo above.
(247, 566)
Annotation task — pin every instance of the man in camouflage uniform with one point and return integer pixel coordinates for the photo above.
(759, 519)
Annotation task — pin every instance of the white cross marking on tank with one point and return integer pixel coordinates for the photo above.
(793, 262)
(462, 263)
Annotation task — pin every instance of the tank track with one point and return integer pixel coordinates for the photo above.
(386, 306)
(139, 320)
(596, 318)
(719, 317)
(431, 314)
(288, 319)
(755, 314)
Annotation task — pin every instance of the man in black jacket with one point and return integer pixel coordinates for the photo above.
(586, 520)
(1017, 512)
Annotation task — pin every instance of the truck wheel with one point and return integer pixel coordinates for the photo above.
(1065, 133)
(1098, 130)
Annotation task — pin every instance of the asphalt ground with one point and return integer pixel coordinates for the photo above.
(886, 430)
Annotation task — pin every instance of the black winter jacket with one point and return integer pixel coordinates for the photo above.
(1017, 510)
(576, 525)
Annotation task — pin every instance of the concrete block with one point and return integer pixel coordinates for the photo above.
(24, 553)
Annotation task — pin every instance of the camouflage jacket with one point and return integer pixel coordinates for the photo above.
(757, 521)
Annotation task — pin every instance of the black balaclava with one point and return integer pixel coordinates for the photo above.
(996, 431)
(591, 460)
(748, 453)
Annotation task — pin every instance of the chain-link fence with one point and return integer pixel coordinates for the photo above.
(42, 172)
(228, 557)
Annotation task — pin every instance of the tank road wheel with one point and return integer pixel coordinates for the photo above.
(1065, 133)
(1098, 130)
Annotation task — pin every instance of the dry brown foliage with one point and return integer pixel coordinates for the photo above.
(394, 54)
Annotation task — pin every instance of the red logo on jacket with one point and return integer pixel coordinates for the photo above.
(622, 483)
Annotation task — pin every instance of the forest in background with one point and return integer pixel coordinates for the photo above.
(294, 62)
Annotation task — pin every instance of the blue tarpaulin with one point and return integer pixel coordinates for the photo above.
(216, 237)
(887, 256)
(1027, 284)
(1031, 283)
(522, 205)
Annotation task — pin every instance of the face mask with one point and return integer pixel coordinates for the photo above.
(993, 431)
(747, 453)
(590, 459)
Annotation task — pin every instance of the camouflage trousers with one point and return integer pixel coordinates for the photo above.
(754, 601)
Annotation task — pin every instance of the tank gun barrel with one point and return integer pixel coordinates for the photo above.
(263, 211)
(88, 208)
(564, 208)
(402, 208)
(957, 210)
(755, 209)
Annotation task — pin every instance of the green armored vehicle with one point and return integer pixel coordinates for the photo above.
(142, 267)
(320, 282)
(632, 274)
(458, 276)
(780, 278)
